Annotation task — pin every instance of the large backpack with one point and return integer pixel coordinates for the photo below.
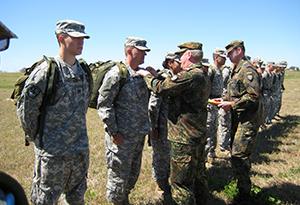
(98, 70)
(52, 77)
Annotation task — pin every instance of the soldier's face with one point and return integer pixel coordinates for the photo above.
(221, 60)
(73, 45)
(234, 55)
(138, 55)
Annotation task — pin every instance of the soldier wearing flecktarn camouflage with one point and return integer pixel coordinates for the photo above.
(124, 112)
(158, 115)
(189, 91)
(62, 152)
(215, 75)
(244, 98)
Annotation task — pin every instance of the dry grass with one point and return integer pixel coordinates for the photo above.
(275, 169)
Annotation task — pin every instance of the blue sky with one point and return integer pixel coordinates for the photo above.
(270, 29)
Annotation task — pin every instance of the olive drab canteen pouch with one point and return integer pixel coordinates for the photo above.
(98, 71)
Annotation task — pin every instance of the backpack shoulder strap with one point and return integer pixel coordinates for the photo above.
(87, 70)
(48, 98)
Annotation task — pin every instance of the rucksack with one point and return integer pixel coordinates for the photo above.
(98, 71)
(52, 77)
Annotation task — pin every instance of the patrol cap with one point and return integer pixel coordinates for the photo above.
(72, 28)
(220, 52)
(234, 44)
(170, 56)
(283, 63)
(6, 32)
(258, 60)
(205, 62)
(136, 42)
(189, 46)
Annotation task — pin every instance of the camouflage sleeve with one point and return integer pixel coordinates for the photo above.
(251, 90)
(153, 108)
(107, 93)
(170, 86)
(28, 107)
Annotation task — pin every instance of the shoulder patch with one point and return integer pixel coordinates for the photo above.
(33, 91)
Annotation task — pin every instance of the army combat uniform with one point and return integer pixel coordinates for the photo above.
(188, 93)
(224, 128)
(216, 90)
(62, 152)
(244, 89)
(124, 110)
(158, 116)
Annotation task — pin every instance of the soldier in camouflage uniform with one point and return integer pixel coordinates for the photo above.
(276, 90)
(244, 98)
(267, 79)
(124, 112)
(224, 128)
(62, 152)
(188, 93)
(158, 114)
(282, 67)
(215, 75)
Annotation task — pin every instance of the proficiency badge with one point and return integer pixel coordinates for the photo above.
(33, 91)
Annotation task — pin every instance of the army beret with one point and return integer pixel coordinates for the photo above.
(234, 44)
(189, 46)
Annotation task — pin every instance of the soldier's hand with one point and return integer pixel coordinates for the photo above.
(143, 72)
(226, 105)
(152, 71)
(118, 139)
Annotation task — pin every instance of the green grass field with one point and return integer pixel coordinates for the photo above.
(275, 168)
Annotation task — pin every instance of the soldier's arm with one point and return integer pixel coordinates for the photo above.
(107, 94)
(169, 86)
(28, 107)
(154, 109)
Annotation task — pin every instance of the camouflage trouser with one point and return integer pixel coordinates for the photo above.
(188, 177)
(267, 108)
(212, 128)
(161, 160)
(275, 107)
(244, 137)
(56, 175)
(224, 129)
(123, 166)
(270, 110)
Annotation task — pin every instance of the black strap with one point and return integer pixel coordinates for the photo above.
(48, 96)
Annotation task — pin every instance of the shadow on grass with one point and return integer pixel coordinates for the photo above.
(288, 193)
(267, 139)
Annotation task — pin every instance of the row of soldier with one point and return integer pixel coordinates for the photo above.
(175, 117)
(218, 122)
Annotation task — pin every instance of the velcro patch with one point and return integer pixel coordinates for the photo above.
(33, 91)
